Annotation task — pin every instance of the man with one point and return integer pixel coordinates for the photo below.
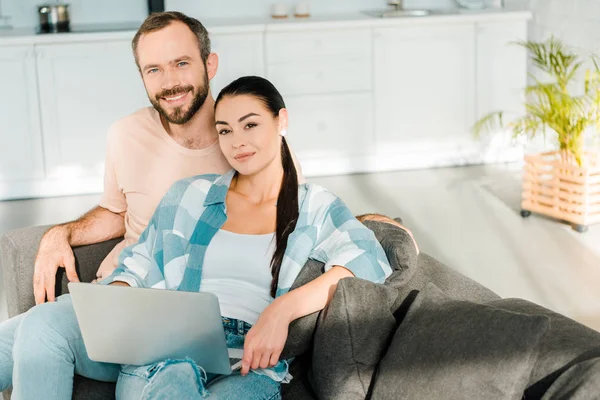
(149, 150)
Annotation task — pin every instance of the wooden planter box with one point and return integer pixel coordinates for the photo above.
(557, 187)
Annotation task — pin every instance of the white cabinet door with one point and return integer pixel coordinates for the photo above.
(501, 78)
(84, 88)
(239, 55)
(501, 67)
(325, 126)
(20, 136)
(424, 86)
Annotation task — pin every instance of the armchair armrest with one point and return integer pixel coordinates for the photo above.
(18, 249)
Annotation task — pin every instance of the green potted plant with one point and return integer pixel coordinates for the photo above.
(565, 183)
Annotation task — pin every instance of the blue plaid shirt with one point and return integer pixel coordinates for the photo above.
(170, 252)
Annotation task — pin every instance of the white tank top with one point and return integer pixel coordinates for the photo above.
(237, 269)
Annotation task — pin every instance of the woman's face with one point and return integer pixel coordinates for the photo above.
(249, 135)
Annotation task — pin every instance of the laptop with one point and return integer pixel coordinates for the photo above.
(125, 325)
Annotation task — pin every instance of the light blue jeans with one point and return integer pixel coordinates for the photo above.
(42, 349)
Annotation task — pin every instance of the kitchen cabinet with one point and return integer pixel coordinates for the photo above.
(84, 88)
(424, 90)
(21, 157)
(239, 55)
(320, 61)
(501, 77)
(325, 77)
(500, 80)
(322, 126)
(363, 94)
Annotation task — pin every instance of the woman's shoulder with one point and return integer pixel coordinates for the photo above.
(192, 189)
(316, 197)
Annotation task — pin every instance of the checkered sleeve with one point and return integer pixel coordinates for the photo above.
(142, 264)
(343, 241)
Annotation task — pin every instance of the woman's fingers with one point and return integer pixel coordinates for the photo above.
(256, 358)
(265, 360)
(274, 358)
(246, 359)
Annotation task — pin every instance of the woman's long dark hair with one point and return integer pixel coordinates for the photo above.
(287, 201)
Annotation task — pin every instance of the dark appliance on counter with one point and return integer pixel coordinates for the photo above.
(156, 6)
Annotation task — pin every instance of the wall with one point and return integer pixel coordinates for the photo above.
(574, 21)
(24, 12)
(258, 8)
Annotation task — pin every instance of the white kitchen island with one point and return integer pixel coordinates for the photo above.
(364, 94)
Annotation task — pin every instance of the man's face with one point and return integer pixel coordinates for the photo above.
(174, 74)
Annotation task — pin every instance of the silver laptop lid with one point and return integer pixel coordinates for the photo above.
(126, 325)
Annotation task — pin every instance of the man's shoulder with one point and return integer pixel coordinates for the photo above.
(140, 121)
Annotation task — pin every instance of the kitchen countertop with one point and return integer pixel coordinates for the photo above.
(125, 31)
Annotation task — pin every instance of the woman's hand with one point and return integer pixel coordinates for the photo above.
(265, 340)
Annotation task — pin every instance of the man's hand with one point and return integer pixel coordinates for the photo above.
(265, 340)
(119, 283)
(54, 252)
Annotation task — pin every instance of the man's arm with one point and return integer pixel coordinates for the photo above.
(97, 225)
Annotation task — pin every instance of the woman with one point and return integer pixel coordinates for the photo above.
(273, 226)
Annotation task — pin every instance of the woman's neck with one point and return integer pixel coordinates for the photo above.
(261, 187)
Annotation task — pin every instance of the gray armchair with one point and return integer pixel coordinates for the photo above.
(18, 249)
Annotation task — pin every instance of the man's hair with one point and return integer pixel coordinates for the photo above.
(157, 21)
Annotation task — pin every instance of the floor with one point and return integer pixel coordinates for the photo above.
(467, 217)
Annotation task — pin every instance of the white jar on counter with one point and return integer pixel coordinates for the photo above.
(472, 4)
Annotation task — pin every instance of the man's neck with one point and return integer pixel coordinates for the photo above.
(199, 132)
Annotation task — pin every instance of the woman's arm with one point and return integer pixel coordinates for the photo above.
(313, 296)
(137, 266)
(265, 341)
(142, 264)
(347, 248)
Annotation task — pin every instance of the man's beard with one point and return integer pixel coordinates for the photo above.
(179, 116)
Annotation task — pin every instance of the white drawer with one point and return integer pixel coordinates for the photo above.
(323, 77)
(326, 125)
(285, 47)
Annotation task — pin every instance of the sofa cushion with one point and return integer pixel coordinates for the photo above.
(89, 389)
(579, 382)
(301, 330)
(399, 249)
(402, 256)
(566, 343)
(451, 349)
(352, 335)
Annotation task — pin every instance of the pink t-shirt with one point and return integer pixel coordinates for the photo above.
(142, 162)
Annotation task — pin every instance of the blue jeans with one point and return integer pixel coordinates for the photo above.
(42, 349)
(183, 379)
